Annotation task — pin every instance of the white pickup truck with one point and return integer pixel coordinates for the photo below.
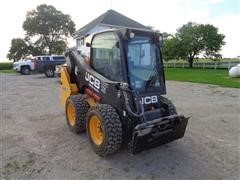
(25, 66)
(46, 64)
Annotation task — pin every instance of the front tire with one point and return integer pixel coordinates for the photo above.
(171, 108)
(76, 109)
(25, 70)
(104, 129)
(49, 72)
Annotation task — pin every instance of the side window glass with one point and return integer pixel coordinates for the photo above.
(58, 58)
(106, 56)
(46, 58)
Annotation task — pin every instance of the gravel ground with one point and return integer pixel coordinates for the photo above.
(37, 144)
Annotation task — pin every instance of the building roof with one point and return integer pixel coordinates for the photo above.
(110, 18)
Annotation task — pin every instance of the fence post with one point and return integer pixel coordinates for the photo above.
(174, 65)
(203, 65)
(215, 65)
(229, 64)
(183, 65)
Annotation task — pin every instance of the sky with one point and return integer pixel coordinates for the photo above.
(163, 15)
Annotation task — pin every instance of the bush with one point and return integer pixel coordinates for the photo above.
(6, 65)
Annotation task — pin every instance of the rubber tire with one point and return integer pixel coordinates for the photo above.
(70, 66)
(52, 72)
(171, 108)
(112, 128)
(25, 70)
(70, 63)
(81, 108)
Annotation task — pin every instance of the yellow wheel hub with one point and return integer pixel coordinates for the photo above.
(95, 130)
(71, 114)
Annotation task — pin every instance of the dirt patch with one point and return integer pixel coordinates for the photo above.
(37, 144)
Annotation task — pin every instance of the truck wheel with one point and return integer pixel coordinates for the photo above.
(104, 129)
(76, 110)
(25, 70)
(49, 72)
(171, 108)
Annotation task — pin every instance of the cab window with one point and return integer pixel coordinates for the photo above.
(106, 56)
(46, 58)
(58, 58)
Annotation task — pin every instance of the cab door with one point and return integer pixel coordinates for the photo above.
(105, 56)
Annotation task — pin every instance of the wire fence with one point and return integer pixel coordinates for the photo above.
(203, 65)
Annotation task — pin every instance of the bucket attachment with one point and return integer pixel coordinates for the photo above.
(156, 132)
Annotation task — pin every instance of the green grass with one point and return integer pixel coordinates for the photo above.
(6, 65)
(7, 71)
(207, 76)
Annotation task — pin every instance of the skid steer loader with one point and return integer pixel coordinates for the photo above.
(116, 93)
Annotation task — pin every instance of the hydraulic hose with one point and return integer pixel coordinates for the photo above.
(129, 109)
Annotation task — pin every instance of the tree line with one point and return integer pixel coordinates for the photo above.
(47, 30)
(192, 40)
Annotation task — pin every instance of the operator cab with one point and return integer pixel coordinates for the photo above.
(129, 56)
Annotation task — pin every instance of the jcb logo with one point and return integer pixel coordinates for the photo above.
(92, 80)
(149, 100)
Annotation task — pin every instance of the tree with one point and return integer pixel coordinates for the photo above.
(193, 39)
(18, 49)
(171, 48)
(50, 26)
(59, 47)
(33, 47)
(23, 47)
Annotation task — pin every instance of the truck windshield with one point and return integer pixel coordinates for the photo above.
(143, 60)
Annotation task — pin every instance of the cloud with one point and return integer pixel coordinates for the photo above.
(221, 17)
(230, 27)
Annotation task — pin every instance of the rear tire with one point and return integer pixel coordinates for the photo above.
(70, 66)
(25, 70)
(49, 72)
(76, 109)
(104, 129)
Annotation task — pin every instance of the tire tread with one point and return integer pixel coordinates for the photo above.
(113, 126)
(81, 109)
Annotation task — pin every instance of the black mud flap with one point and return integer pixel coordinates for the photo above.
(156, 132)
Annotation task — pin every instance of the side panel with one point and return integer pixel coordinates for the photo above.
(87, 78)
(67, 88)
